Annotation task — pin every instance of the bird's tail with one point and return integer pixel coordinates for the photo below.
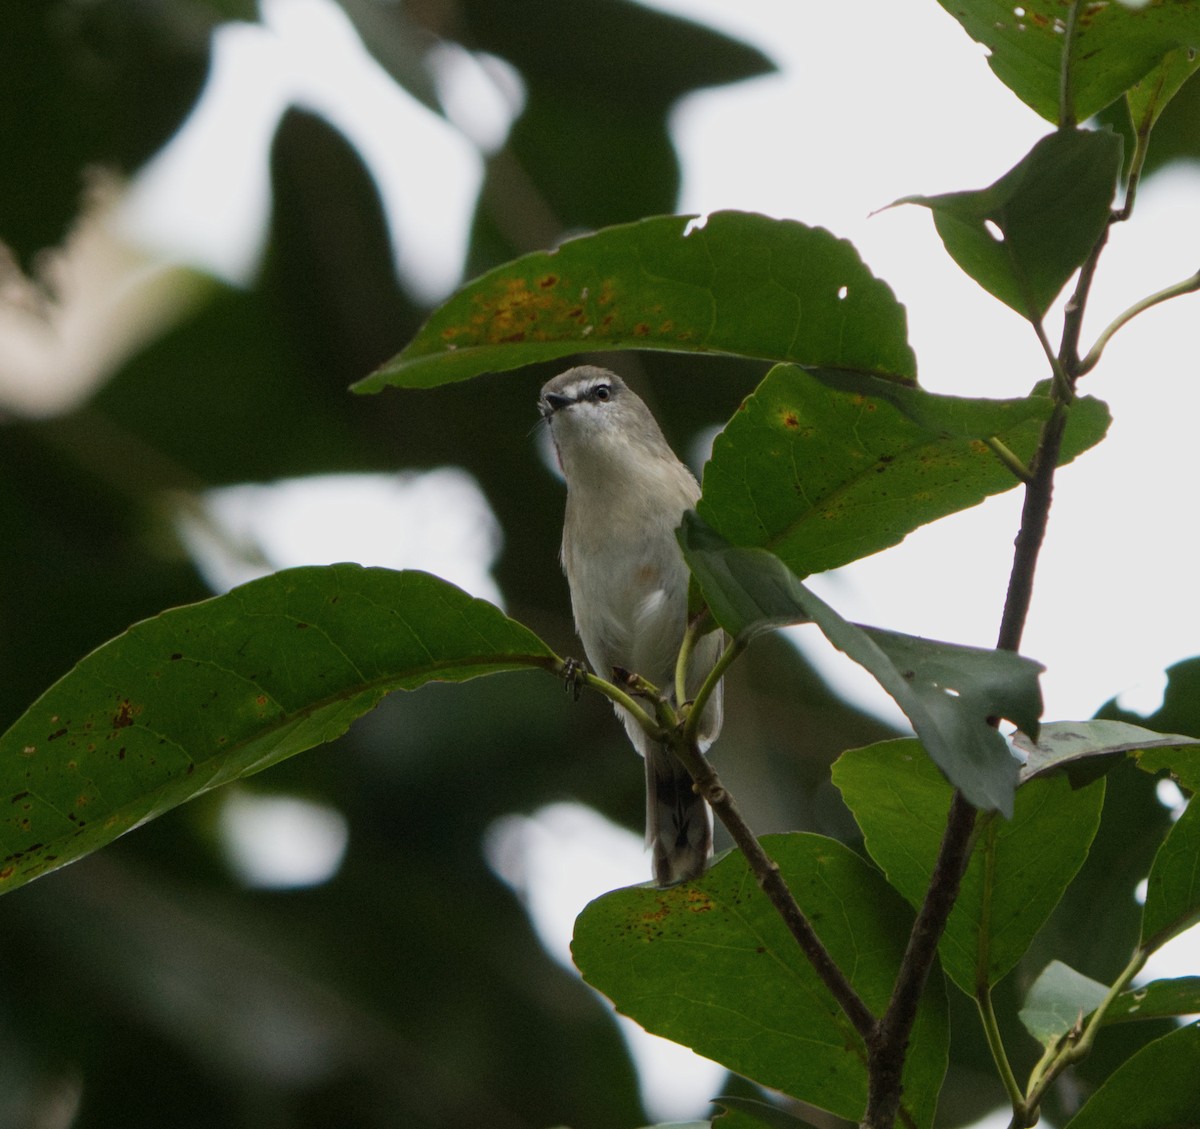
(678, 823)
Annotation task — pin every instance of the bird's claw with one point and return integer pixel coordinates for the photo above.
(573, 672)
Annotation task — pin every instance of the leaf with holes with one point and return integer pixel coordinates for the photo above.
(1112, 47)
(1024, 236)
(741, 284)
(825, 468)
(948, 692)
(204, 694)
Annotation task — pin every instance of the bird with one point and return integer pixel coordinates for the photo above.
(626, 496)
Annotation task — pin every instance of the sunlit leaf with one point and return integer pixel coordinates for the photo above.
(204, 694)
(1071, 745)
(1059, 999)
(1158, 1088)
(1019, 867)
(741, 283)
(1024, 236)
(948, 692)
(710, 964)
(824, 468)
(1113, 46)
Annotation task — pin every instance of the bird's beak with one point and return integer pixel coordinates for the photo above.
(551, 402)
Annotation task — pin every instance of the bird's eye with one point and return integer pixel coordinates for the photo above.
(602, 392)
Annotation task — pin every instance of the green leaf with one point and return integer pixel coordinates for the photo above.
(1157, 1088)
(824, 468)
(1049, 211)
(1019, 868)
(948, 692)
(711, 965)
(1179, 756)
(204, 694)
(1072, 745)
(1157, 1000)
(1151, 95)
(1059, 999)
(1173, 889)
(742, 284)
(1113, 46)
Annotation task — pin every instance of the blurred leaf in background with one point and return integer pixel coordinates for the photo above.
(148, 985)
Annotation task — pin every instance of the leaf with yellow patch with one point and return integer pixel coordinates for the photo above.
(738, 283)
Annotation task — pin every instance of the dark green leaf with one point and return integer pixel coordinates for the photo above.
(741, 283)
(1156, 1000)
(1019, 867)
(711, 965)
(1047, 212)
(1059, 999)
(947, 692)
(1173, 889)
(203, 694)
(1065, 744)
(1114, 45)
(823, 469)
(1158, 1088)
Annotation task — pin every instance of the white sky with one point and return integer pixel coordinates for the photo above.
(875, 100)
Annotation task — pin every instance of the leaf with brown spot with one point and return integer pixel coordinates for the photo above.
(824, 468)
(265, 691)
(698, 976)
(740, 284)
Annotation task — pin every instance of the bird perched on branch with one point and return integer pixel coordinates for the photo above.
(626, 495)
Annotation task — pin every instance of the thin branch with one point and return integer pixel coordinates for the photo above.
(1074, 1047)
(615, 694)
(1187, 286)
(766, 872)
(708, 784)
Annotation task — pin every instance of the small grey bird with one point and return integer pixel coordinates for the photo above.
(626, 495)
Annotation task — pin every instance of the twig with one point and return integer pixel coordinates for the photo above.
(667, 726)
(1187, 286)
(766, 872)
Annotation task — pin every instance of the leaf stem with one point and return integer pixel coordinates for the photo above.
(1187, 286)
(696, 711)
(1008, 458)
(991, 1030)
(1073, 1046)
